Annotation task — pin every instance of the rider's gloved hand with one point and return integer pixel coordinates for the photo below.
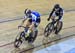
(48, 19)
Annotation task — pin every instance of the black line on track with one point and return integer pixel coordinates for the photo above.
(47, 43)
(22, 18)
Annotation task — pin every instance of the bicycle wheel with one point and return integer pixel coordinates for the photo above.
(35, 35)
(48, 29)
(18, 41)
(32, 36)
(58, 27)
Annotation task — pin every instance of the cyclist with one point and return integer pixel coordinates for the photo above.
(57, 11)
(33, 20)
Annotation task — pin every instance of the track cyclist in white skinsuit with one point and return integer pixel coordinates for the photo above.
(33, 20)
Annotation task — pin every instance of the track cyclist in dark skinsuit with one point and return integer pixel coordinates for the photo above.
(57, 11)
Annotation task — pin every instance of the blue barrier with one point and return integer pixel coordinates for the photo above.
(62, 47)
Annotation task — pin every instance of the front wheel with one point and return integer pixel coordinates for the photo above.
(48, 29)
(18, 40)
(17, 43)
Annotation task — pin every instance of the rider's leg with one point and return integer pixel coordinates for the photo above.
(34, 25)
(53, 17)
(30, 32)
(53, 20)
(33, 35)
(58, 25)
(59, 22)
(27, 25)
(33, 28)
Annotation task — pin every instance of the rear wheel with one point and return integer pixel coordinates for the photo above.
(48, 29)
(32, 36)
(35, 35)
(58, 27)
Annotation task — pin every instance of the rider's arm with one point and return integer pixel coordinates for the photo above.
(25, 18)
(51, 14)
(22, 22)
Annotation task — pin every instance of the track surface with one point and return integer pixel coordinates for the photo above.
(68, 30)
(8, 30)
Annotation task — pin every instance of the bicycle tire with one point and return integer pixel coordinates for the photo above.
(32, 36)
(17, 43)
(58, 29)
(35, 35)
(48, 29)
(18, 40)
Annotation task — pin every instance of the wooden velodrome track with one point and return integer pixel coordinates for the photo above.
(13, 9)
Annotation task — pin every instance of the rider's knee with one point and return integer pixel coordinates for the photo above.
(27, 23)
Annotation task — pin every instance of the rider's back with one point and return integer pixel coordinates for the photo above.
(36, 13)
(59, 12)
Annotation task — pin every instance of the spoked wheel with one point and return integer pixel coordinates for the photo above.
(18, 40)
(48, 29)
(58, 27)
(33, 36)
(17, 43)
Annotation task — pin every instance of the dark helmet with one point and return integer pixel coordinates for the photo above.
(27, 11)
(57, 6)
